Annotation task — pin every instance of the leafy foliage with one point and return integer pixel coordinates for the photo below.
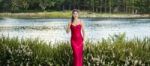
(113, 51)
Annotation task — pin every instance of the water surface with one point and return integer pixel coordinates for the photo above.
(52, 30)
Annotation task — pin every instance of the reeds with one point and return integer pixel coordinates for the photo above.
(113, 51)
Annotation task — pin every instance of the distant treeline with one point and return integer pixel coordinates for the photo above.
(101, 6)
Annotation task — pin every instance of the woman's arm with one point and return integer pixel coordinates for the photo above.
(68, 27)
(83, 32)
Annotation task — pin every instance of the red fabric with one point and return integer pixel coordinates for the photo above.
(77, 45)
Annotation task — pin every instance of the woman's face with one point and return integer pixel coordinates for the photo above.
(75, 14)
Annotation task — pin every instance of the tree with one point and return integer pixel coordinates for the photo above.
(5, 5)
(19, 5)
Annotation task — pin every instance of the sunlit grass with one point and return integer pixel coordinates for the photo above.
(67, 14)
(113, 51)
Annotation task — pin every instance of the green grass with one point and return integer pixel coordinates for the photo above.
(54, 14)
(113, 51)
(67, 14)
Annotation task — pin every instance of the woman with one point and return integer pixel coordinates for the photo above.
(77, 38)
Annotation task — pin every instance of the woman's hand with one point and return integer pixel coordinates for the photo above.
(83, 41)
(67, 28)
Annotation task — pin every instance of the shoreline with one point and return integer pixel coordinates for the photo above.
(67, 15)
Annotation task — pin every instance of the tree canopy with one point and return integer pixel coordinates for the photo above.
(102, 6)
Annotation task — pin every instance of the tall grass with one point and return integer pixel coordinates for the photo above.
(113, 51)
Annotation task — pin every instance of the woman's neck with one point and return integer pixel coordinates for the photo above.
(76, 19)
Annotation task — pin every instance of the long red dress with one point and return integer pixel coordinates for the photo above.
(77, 45)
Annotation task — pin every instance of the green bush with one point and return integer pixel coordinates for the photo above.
(113, 51)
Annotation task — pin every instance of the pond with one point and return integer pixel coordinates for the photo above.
(52, 30)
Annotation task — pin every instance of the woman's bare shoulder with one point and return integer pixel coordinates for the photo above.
(81, 22)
